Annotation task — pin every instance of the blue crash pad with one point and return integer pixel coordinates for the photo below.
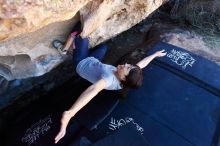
(194, 68)
(175, 105)
(125, 136)
(178, 105)
(39, 123)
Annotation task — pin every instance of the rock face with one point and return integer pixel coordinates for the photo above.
(113, 17)
(24, 16)
(26, 52)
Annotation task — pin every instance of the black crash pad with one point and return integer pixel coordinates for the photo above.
(38, 124)
(125, 136)
(178, 103)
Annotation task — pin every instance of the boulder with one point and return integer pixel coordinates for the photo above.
(28, 27)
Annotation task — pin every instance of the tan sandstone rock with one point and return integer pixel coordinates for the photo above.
(24, 16)
(27, 29)
(113, 17)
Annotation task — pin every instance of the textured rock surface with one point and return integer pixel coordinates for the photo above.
(29, 15)
(108, 18)
(22, 16)
(30, 53)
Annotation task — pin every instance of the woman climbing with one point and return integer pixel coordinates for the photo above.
(102, 76)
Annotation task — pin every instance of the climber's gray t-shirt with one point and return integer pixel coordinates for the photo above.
(93, 70)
